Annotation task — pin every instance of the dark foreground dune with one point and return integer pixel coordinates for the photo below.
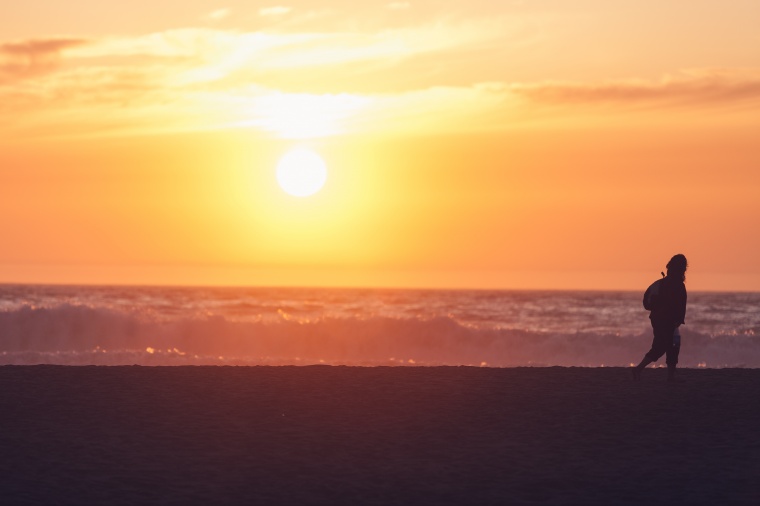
(341, 435)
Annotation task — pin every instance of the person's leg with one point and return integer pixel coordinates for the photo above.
(662, 341)
(644, 362)
(671, 358)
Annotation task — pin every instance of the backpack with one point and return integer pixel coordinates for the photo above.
(652, 294)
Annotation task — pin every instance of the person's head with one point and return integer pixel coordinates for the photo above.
(677, 267)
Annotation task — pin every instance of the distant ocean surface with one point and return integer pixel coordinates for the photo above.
(87, 325)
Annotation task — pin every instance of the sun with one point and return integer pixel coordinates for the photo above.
(301, 172)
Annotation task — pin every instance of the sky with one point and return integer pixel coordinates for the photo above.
(527, 144)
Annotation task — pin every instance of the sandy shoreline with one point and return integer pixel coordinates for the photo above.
(345, 435)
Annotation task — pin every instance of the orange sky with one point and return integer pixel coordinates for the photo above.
(478, 144)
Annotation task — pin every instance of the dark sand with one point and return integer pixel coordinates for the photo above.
(342, 435)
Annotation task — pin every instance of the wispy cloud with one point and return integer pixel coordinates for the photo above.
(398, 6)
(277, 10)
(209, 54)
(32, 57)
(41, 48)
(218, 14)
(196, 78)
(700, 86)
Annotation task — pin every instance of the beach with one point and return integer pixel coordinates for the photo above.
(377, 435)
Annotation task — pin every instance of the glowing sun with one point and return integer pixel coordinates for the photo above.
(301, 172)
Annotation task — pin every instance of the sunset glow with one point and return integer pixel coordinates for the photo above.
(475, 144)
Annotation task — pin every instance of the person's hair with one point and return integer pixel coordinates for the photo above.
(677, 266)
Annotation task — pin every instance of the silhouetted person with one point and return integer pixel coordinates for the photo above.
(668, 311)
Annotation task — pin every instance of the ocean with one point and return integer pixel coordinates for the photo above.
(118, 325)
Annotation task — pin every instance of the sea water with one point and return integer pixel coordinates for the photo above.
(91, 325)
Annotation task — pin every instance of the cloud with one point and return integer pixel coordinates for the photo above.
(398, 6)
(279, 59)
(300, 115)
(38, 48)
(196, 78)
(703, 86)
(29, 58)
(389, 46)
(277, 10)
(218, 14)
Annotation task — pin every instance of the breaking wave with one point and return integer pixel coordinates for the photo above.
(85, 335)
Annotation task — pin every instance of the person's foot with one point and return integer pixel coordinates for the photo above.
(636, 372)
